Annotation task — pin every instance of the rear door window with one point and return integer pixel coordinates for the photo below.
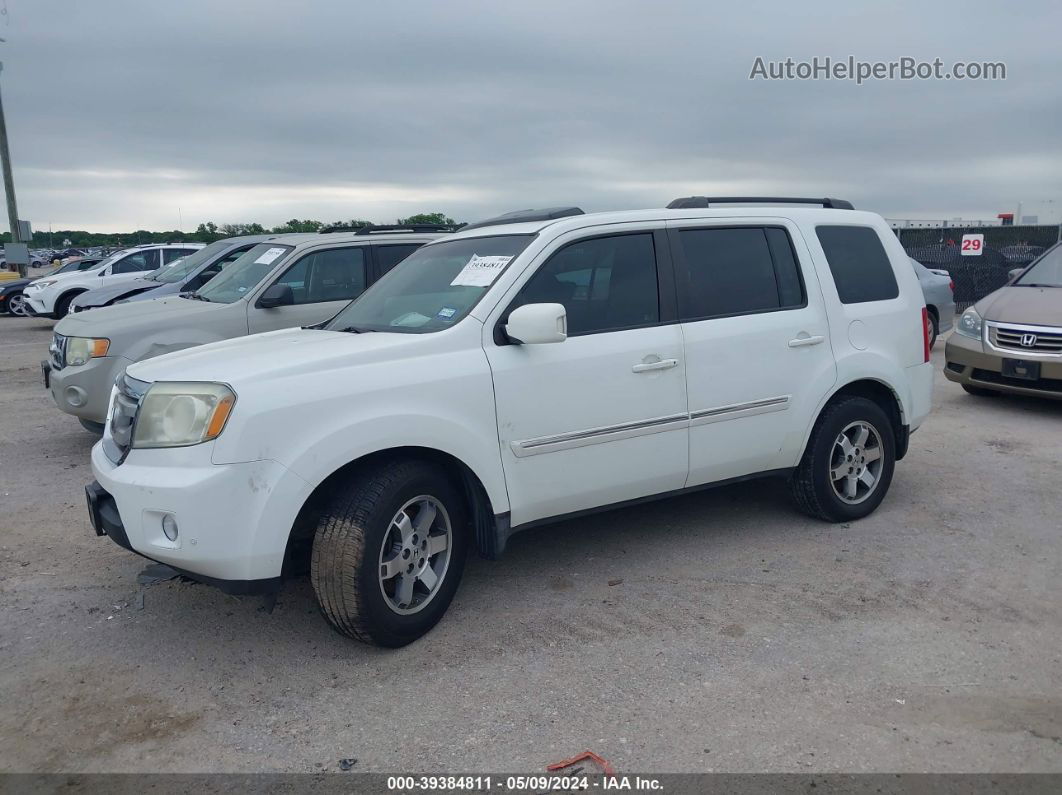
(860, 267)
(389, 256)
(738, 271)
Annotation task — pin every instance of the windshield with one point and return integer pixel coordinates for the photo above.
(243, 275)
(1045, 272)
(76, 265)
(433, 288)
(180, 268)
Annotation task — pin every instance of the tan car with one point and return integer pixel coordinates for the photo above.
(1011, 340)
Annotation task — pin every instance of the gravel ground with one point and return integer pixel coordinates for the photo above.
(742, 636)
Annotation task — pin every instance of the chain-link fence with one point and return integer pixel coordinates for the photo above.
(977, 274)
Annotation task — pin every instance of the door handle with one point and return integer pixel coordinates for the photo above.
(800, 342)
(663, 364)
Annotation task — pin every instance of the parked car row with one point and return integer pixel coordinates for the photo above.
(53, 295)
(520, 370)
(12, 298)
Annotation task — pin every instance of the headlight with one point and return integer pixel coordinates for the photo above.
(44, 283)
(182, 413)
(969, 324)
(80, 349)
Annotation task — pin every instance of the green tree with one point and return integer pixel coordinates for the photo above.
(295, 225)
(428, 218)
(206, 232)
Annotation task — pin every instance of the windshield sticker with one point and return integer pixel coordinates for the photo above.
(447, 312)
(268, 256)
(480, 271)
(410, 320)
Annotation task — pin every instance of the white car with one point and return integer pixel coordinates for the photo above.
(537, 366)
(51, 296)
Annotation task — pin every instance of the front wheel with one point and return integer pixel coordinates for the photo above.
(934, 326)
(16, 305)
(389, 552)
(62, 306)
(848, 464)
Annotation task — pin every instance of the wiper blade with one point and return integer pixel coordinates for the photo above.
(355, 330)
(1034, 284)
(195, 297)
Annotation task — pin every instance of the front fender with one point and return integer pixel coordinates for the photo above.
(316, 425)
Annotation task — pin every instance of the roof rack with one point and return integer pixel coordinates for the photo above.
(700, 202)
(373, 228)
(521, 216)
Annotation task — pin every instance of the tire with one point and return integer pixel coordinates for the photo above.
(92, 427)
(358, 536)
(62, 306)
(980, 391)
(933, 329)
(16, 305)
(812, 483)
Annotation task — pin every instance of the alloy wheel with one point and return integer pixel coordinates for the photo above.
(415, 555)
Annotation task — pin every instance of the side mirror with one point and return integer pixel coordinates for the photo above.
(277, 295)
(536, 324)
(1014, 274)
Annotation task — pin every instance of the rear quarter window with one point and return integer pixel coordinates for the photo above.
(861, 269)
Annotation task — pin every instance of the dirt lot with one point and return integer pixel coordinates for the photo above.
(742, 636)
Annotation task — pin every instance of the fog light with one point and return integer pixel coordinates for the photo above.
(76, 396)
(169, 527)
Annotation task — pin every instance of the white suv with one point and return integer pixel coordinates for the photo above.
(52, 295)
(532, 367)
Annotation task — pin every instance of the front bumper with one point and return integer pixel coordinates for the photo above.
(36, 307)
(84, 390)
(233, 520)
(971, 363)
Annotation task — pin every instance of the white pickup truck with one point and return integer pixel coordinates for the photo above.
(536, 366)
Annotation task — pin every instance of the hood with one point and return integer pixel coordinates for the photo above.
(149, 315)
(275, 354)
(102, 296)
(1039, 306)
(62, 277)
(157, 290)
(13, 284)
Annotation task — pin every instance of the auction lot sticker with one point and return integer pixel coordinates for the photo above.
(480, 271)
(972, 245)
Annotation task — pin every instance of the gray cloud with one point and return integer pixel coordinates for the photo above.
(122, 112)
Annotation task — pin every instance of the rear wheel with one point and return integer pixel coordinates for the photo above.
(934, 325)
(16, 305)
(848, 464)
(389, 552)
(980, 391)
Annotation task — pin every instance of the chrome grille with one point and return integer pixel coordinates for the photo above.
(118, 435)
(1031, 339)
(57, 351)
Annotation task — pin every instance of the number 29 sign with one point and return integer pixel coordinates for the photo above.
(972, 245)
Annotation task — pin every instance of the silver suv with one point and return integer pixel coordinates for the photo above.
(285, 282)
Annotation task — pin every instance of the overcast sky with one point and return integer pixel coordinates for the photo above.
(130, 114)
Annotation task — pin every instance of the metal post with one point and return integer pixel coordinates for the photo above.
(9, 182)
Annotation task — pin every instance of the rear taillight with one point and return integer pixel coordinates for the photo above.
(925, 333)
(951, 285)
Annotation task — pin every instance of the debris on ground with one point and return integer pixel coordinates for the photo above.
(347, 764)
(606, 768)
(617, 581)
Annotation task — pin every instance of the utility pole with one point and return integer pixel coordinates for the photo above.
(9, 181)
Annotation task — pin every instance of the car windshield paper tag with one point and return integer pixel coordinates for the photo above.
(267, 256)
(480, 271)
